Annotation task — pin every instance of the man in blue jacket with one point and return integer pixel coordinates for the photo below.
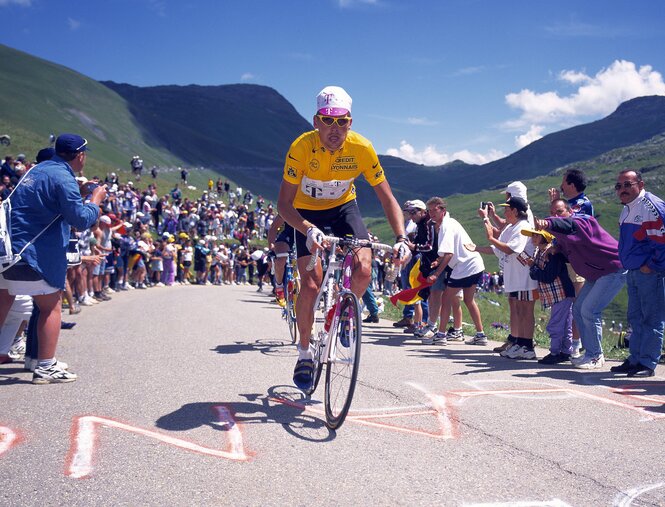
(48, 201)
(642, 253)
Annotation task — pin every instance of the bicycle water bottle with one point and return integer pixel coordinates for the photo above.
(329, 318)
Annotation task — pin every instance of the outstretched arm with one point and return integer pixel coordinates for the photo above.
(390, 207)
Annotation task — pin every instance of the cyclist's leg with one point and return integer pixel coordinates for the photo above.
(350, 222)
(281, 256)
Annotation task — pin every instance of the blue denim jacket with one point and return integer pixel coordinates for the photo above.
(49, 189)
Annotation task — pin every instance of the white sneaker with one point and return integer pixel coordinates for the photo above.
(440, 338)
(52, 375)
(455, 335)
(521, 352)
(428, 334)
(590, 363)
(513, 348)
(478, 339)
(84, 301)
(31, 364)
(130, 286)
(109, 290)
(17, 350)
(159, 284)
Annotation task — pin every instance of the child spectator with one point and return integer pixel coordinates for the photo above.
(556, 290)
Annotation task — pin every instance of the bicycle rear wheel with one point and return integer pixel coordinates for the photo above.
(343, 362)
(290, 310)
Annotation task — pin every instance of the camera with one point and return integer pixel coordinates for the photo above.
(483, 204)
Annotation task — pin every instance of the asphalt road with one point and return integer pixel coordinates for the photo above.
(184, 397)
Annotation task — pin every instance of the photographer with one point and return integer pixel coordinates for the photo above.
(47, 202)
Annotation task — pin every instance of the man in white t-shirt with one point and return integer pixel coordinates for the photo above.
(458, 251)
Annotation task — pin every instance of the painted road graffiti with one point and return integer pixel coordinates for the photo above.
(8, 439)
(85, 432)
(437, 417)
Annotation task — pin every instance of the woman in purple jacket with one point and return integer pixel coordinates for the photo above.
(594, 254)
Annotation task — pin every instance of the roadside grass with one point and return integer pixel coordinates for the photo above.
(495, 314)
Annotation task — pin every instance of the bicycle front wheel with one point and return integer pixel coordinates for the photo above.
(343, 361)
(318, 341)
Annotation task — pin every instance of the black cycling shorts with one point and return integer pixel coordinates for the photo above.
(342, 221)
(286, 236)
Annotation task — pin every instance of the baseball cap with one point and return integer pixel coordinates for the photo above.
(417, 204)
(70, 143)
(546, 235)
(333, 101)
(106, 219)
(45, 154)
(516, 189)
(516, 203)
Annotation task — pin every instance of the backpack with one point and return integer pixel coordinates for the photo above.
(7, 257)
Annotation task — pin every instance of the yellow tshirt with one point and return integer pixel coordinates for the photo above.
(325, 179)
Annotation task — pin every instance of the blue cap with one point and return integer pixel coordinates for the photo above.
(70, 143)
(45, 154)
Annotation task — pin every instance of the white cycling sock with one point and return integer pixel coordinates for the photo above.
(304, 354)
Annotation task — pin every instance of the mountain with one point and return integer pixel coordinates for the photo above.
(633, 121)
(243, 131)
(216, 126)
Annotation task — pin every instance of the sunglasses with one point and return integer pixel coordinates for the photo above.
(329, 120)
(626, 184)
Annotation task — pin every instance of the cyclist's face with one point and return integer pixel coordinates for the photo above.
(332, 136)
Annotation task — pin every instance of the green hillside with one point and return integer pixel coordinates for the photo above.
(38, 98)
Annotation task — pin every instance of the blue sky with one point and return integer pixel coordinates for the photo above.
(431, 80)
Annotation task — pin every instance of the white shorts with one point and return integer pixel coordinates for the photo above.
(23, 288)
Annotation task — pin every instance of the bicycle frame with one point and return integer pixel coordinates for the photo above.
(332, 297)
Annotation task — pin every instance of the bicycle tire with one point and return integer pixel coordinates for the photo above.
(290, 314)
(317, 343)
(342, 365)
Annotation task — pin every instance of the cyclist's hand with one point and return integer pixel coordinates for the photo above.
(314, 239)
(401, 253)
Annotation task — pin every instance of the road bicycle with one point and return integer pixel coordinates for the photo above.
(291, 291)
(337, 330)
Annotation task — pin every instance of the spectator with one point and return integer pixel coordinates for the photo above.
(594, 254)
(572, 187)
(51, 202)
(521, 289)
(642, 253)
(556, 291)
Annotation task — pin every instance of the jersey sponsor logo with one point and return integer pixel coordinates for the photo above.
(317, 189)
(374, 166)
(292, 157)
(291, 172)
(347, 163)
(378, 174)
(314, 164)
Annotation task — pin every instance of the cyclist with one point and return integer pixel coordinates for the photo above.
(281, 244)
(317, 191)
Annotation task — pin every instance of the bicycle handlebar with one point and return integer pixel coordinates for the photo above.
(333, 241)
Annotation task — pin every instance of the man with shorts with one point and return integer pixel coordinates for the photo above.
(48, 192)
(317, 191)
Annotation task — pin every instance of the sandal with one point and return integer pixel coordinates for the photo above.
(75, 309)
(303, 374)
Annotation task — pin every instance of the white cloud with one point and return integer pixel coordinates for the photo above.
(597, 95)
(247, 76)
(421, 121)
(535, 132)
(73, 24)
(22, 3)
(430, 156)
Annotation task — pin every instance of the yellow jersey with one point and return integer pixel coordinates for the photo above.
(325, 179)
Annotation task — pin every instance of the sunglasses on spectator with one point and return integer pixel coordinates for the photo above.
(626, 184)
(329, 120)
